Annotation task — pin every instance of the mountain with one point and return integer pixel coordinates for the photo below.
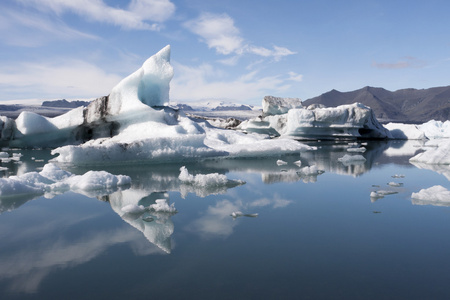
(65, 104)
(405, 106)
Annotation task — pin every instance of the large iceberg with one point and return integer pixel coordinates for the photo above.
(316, 122)
(134, 123)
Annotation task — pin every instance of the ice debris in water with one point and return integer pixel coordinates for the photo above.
(161, 205)
(348, 159)
(395, 184)
(310, 171)
(52, 180)
(398, 176)
(281, 162)
(203, 180)
(434, 193)
(359, 149)
(381, 193)
(237, 214)
(298, 163)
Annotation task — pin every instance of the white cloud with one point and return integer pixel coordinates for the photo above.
(295, 77)
(205, 82)
(56, 78)
(134, 17)
(219, 32)
(30, 30)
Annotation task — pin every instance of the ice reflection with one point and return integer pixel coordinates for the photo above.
(27, 267)
(157, 227)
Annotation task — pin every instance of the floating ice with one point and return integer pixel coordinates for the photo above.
(281, 162)
(359, 149)
(398, 176)
(278, 106)
(349, 159)
(395, 184)
(52, 179)
(161, 205)
(237, 214)
(310, 171)
(401, 131)
(298, 163)
(213, 179)
(436, 195)
(345, 121)
(381, 193)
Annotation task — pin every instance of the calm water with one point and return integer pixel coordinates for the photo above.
(316, 237)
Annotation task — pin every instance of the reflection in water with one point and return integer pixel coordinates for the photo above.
(27, 267)
(157, 227)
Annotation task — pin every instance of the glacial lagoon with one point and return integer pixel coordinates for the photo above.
(315, 236)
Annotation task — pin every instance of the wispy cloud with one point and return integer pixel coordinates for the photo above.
(135, 16)
(29, 29)
(406, 62)
(219, 32)
(56, 78)
(206, 82)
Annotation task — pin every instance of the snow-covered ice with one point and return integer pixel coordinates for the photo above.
(381, 193)
(237, 214)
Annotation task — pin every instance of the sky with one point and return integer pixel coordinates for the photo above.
(234, 50)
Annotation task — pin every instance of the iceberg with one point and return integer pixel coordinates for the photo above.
(429, 130)
(134, 123)
(316, 122)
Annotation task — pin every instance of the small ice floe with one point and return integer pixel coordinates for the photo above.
(395, 184)
(133, 209)
(237, 214)
(203, 180)
(398, 176)
(351, 159)
(381, 193)
(298, 163)
(310, 171)
(281, 162)
(3, 168)
(359, 149)
(161, 205)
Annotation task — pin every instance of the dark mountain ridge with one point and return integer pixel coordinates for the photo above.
(406, 105)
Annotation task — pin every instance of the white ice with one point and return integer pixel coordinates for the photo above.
(439, 153)
(212, 179)
(348, 159)
(281, 162)
(345, 121)
(53, 180)
(436, 195)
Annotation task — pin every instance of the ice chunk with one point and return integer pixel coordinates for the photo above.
(348, 159)
(237, 214)
(281, 162)
(53, 179)
(298, 163)
(436, 195)
(438, 155)
(213, 179)
(381, 193)
(344, 121)
(358, 150)
(395, 184)
(398, 176)
(161, 205)
(94, 180)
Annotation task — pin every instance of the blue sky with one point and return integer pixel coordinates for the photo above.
(229, 50)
